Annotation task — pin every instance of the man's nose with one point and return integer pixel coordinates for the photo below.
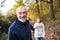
(22, 14)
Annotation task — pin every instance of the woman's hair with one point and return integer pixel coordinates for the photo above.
(38, 18)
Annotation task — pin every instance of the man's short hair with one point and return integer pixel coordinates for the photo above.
(21, 7)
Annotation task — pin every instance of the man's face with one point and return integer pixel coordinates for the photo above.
(22, 14)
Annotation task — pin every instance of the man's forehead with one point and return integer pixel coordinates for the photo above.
(21, 9)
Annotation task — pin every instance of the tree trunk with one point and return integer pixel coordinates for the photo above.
(37, 7)
(52, 11)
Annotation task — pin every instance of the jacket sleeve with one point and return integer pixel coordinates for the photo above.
(11, 36)
(32, 27)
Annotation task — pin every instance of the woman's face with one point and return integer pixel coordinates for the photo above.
(38, 20)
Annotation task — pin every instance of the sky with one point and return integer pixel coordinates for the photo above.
(7, 5)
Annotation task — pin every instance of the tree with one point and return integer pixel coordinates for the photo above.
(37, 7)
(11, 16)
(56, 4)
(52, 11)
(18, 3)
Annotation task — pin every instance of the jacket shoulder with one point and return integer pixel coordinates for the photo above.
(12, 26)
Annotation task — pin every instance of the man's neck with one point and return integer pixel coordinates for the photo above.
(23, 21)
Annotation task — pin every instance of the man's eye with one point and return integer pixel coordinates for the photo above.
(20, 13)
(24, 12)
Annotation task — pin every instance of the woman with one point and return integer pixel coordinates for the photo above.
(39, 30)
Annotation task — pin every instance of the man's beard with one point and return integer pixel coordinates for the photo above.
(22, 19)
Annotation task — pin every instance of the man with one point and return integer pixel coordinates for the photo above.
(20, 28)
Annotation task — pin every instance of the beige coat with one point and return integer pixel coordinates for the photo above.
(39, 30)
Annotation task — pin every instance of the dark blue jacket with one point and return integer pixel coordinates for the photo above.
(17, 31)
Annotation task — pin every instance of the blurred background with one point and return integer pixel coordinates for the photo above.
(47, 10)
